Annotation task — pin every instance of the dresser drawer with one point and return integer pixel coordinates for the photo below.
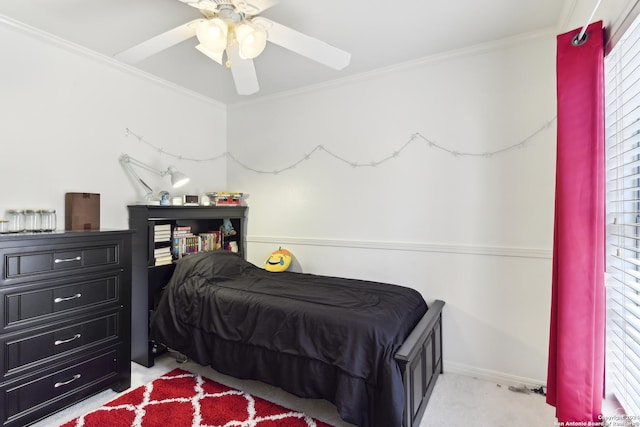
(24, 400)
(26, 264)
(56, 299)
(29, 351)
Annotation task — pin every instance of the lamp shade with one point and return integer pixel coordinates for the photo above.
(212, 34)
(178, 179)
(129, 164)
(251, 40)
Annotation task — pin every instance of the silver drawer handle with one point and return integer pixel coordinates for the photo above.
(75, 337)
(67, 298)
(58, 260)
(61, 383)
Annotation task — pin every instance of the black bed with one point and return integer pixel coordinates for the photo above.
(372, 349)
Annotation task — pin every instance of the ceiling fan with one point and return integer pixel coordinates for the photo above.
(235, 28)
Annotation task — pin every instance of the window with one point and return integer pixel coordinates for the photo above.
(622, 135)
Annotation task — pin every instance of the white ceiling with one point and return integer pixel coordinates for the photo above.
(377, 33)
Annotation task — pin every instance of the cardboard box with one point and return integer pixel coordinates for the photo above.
(81, 211)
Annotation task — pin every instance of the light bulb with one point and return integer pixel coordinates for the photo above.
(213, 34)
(251, 40)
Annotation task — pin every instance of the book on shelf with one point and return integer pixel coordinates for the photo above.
(162, 227)
(162, 255)
(185, 245)
(162, 232)
(193, 243)
(164, 250)
(182, 229)
(210, 241)
(226, 198)
(164, 260)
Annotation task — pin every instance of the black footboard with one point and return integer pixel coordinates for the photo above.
(420, 360)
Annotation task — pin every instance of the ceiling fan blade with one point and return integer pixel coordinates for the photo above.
(243, 71)
(159, 43)
(303, 44)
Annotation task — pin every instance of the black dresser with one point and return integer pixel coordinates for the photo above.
(65, 320)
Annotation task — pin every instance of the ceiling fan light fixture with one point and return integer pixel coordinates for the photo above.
(251, 40)
(212, 34)
(216, 56)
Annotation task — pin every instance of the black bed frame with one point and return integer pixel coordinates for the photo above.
(420, 360)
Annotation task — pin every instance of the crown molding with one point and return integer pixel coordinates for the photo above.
(500, 251)
(408, 65)
(568, 10)
(106, 60)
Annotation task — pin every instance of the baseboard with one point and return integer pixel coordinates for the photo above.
(492, 376)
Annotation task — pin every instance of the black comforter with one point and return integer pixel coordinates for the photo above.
(315, 336)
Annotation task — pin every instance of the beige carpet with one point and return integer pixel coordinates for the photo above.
(457, 400)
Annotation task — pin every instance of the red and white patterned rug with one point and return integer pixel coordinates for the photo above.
(182, 399)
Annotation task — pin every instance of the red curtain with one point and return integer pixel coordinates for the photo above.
(575, 382)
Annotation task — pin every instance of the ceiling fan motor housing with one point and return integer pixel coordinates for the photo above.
(217, 6)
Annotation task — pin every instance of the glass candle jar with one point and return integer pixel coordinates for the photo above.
(16, 220)
(48, 220)
(31, 220)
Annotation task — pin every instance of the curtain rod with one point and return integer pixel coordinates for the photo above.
(580, 39)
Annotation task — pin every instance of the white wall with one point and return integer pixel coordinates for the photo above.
(63, 115)
(474, 231)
